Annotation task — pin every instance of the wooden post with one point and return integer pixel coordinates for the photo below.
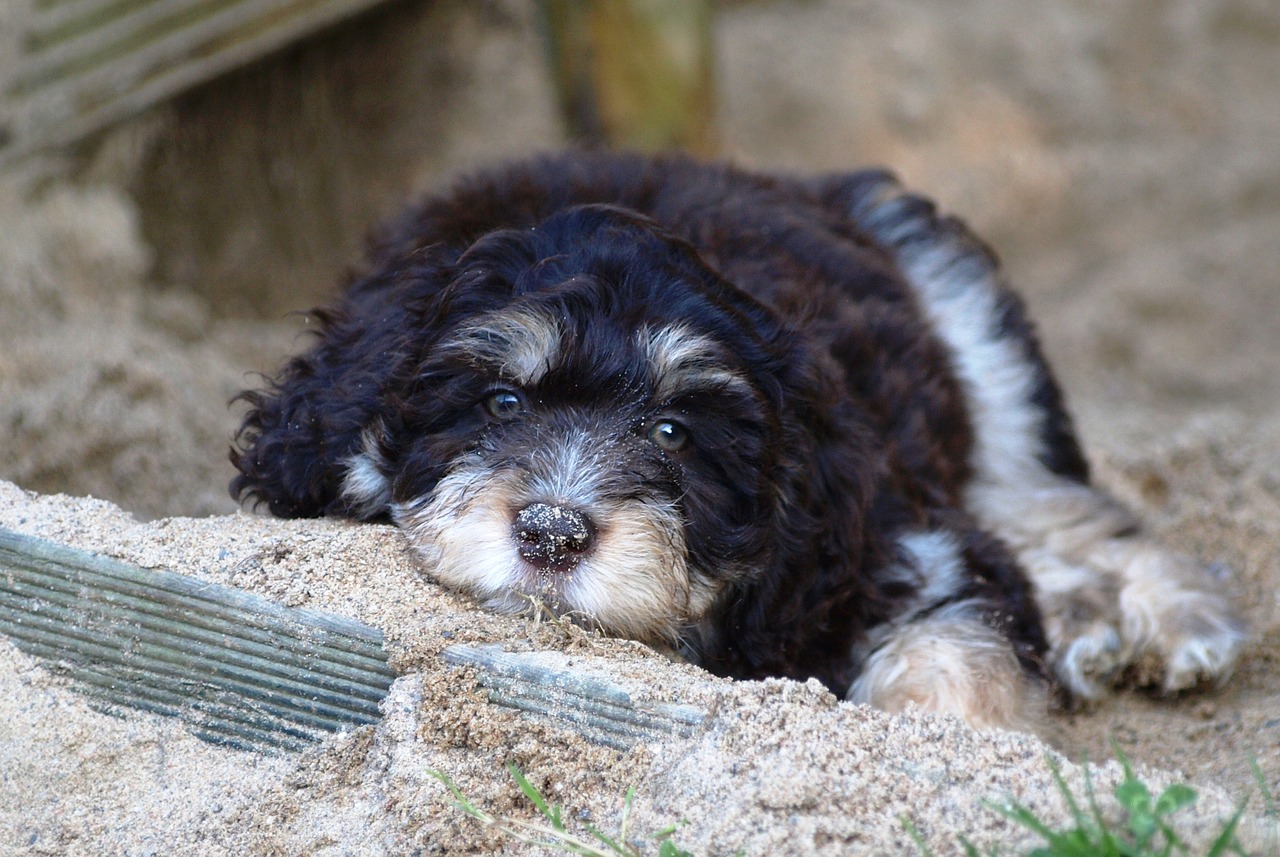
(634, 74)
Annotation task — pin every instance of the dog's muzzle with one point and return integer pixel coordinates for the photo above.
(553, 538)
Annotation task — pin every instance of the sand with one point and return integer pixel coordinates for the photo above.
(1122, 160)
(779, 767)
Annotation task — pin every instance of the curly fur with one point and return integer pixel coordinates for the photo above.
(845, 374)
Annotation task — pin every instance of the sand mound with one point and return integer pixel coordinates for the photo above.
(778, 767)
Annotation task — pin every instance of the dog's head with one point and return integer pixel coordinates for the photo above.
(584, 412)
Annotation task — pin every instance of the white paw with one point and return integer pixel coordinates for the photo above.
(1082, 622)
(1202, 658)
(1087, 663)
(1182, 631)
(1199, 640)
(1130, 609)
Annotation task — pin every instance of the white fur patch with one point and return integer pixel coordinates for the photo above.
(366, 486)
(936, 556)
(567, 470)
(959, 291)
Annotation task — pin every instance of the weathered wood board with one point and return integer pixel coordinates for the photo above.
(240, 669)
(594, 706)
(69, 68)
(244, 671)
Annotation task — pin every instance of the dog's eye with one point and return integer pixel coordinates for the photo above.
(669, 435)
(504, 404)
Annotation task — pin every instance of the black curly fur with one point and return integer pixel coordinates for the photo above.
(857, 430)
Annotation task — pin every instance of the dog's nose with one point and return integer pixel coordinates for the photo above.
(553, 537)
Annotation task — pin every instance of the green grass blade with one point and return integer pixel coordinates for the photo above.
(1269, 807)
(670, 849)
(609, 842)
(1056, 772)
(1122, 758)
(626, 812)
(916, 836)
(1020, 814)
(1268, 799)
(1227, 838)
(1106, 844)
(459, 799)
(535, 797)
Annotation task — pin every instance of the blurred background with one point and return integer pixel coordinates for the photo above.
(177, 177)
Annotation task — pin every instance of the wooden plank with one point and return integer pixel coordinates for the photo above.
(596, 707)
(238, 668)
(85, 64)
(243, 671)
(63, 49)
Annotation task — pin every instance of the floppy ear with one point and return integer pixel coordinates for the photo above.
(298, 439)
(303, 432)
(321, 439)
(798, 616)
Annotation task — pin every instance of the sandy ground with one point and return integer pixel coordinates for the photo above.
(1123, 161)
(779, 767)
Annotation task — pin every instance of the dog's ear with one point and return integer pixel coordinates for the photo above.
(318, 438)
(825, 478)
(298, 439)
(323, 436)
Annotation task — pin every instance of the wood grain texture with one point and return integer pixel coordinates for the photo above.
(544, 684)
(239, 669)
(73, 67)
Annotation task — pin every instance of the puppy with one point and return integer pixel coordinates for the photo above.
(795, 427)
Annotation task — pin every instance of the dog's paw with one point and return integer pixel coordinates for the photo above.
(1208, 656)
(1087, 663)
(1184, 632)
(1132, 611)
(1080, 609)
(1180, 629)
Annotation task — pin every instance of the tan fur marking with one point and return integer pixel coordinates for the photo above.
(521, 344)
(952, 663)
(680, 359)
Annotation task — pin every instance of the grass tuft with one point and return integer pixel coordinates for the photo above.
(1146, 828)
(554, 834)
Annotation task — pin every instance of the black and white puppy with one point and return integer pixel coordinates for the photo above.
(795, 427)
